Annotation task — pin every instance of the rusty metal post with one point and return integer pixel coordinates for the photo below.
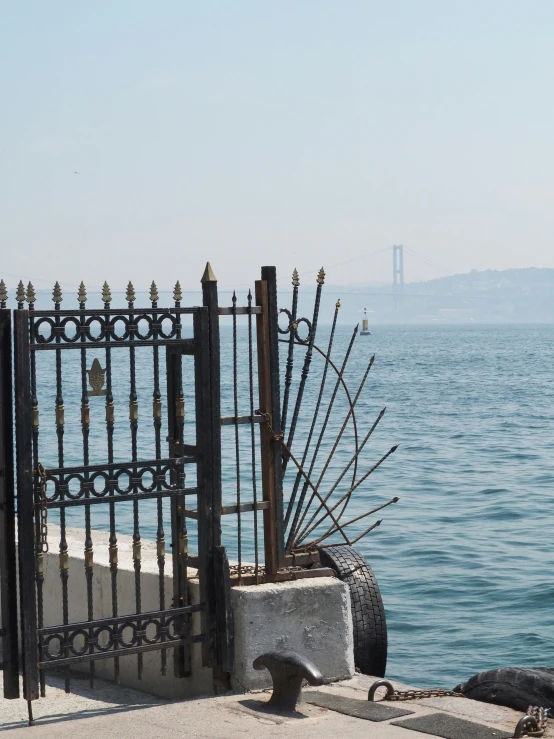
(8, 556)
(210, 301)
(268, 383)
(26, 533)
(217, 572)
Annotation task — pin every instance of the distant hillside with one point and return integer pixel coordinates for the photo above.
(490, 296)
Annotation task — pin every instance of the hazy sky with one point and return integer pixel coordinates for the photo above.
(290, 132)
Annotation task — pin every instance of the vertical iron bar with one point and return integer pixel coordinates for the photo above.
(26, 543)
(179, 535)
(157, 421)
(205, 483)
(60, 427)
(39, 555)
(8, 556)
(209, 504)
(269, 275)
(237, 445)
(290, 355)
(210, 301)
(309, 440)
(133, 419)
(85, 428)
(305, 369)
(253, 439)
(110, 423)
(267, 444)
(179, 539)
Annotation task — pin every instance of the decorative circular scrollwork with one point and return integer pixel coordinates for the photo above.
(104, 638)
(118, 327)
(173, 320)
(147, 480)
(173, 629)
(48, 651)
(292, 327)
(42, 336)
(144, 329)
(96, 329)
(66, 324)
(126, 639)
(148, 637)
(122, 476)
(83, 649)
(100, 484)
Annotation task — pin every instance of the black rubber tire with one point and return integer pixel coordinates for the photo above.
(368, 612)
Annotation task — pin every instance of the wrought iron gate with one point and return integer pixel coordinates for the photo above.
(106, 345)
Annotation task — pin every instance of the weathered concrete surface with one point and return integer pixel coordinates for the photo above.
(166, 686)
(112, 712)
(311, 617)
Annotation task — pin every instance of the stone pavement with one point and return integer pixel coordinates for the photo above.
(112, 712)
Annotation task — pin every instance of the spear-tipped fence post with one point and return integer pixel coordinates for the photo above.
(3, 294)
(270, 432)
(214, 556)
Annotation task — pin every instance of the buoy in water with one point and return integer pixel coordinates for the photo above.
(365, 325)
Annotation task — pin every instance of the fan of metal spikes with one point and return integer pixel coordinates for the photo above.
(317, 503)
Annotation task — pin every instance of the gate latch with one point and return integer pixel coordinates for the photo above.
(41, 474)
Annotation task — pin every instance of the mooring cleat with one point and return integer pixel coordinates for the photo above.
(288, 671)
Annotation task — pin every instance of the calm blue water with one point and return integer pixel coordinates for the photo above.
(464, 560)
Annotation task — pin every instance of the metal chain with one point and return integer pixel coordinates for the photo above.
(41, 472)
(540, 714)
(274, 436)
(409, 695)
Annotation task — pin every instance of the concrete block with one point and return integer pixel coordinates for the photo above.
(310, 616)
(199, 683)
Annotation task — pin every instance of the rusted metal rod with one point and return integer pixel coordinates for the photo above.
(316, 412)
(351, 490)
(291, 455)
(356, 454)
(332, 529)
(290, 355)
(338, 382)
(331, 454)
(306, 367)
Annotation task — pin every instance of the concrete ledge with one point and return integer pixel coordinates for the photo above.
(200, 681)
(312, 617)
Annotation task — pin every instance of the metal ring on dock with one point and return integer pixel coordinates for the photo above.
(380, 684)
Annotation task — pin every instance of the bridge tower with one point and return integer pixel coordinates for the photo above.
(397, 274)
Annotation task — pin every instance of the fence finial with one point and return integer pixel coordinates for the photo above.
(3, 294)
(177, 293)
(154, 296)
(82, 293)
(57, 293)
(130, 294)
(321, 276)
(208, 275)
(295, 278)
(20, 294)
(31, 295)
(106, 293)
